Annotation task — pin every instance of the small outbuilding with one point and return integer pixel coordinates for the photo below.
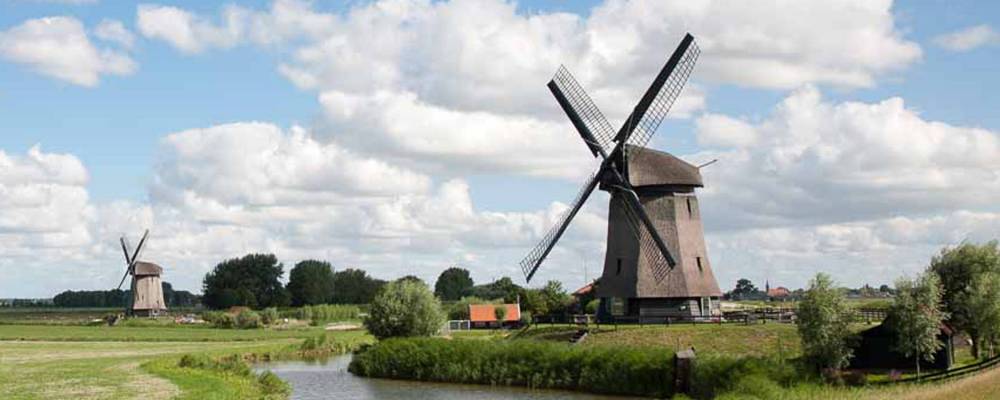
(484, 315)
(874, 350)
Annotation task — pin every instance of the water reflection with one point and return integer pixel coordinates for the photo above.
(329, 379)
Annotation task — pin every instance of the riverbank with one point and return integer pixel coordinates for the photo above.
(60, 362)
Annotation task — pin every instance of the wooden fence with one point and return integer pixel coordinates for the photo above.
(950, 373)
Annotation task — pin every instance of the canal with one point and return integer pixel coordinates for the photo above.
(329, 379)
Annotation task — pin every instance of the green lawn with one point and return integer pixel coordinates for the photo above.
(56, 362)
(729, 339)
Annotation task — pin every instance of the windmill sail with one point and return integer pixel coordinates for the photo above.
(582, 111)
(534, 259)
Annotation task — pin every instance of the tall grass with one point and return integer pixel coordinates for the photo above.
(533, 364)
(323, 313)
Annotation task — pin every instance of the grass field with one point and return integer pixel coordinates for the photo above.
(58, 361)
(731, 339)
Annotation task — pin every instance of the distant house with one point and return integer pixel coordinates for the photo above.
(484, 315)
(778, 293)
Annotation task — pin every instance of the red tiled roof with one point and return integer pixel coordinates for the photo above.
(779, 291)
(584, 290)
(486, 313)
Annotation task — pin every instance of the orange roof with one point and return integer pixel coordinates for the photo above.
(779, 291)
(584, 290)
(486, 313)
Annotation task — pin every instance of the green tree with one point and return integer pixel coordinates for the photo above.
(917, 317)
(555, 297)
(823, 323)
(253, 281)
(500, 312)
(958, 269)
(453, 283)
(743, 289)
(404, 308)
(985, 298)
(354, 286)
(412, 278)
(310, 282)
(502, 289)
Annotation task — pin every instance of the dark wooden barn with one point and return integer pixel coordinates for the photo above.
(874, 350)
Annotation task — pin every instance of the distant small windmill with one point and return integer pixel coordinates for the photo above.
(146, 290)
(656, 263)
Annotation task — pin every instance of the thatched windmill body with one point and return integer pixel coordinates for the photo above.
(656, 263)
(146, 289)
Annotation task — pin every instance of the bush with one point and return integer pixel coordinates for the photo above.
(591, 307)
(248, 319)
(269, 316)
(404, 308)
(273, 386)
(526, 363)
(716, 375)
(219, 319)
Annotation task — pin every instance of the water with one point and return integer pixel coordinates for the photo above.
(329, 379)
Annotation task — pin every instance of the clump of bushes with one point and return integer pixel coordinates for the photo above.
(757, 376)
(324, 345)
(248, 319)
(271, 387)
(323, 313)
(526, 363)
(269, 316)
(404, 308)
(219, 319)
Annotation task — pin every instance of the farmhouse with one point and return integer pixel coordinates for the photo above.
(484, 315)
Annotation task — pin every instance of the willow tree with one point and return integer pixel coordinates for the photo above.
(917, 316)
(824, 320)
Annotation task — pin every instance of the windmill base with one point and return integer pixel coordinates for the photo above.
(614, 308)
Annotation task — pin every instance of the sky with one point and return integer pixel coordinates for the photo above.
(855, 138)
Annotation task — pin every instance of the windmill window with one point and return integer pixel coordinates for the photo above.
(690, 212)
(698, 260)
(618, 271)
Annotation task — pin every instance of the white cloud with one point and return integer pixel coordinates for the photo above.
(187, 32)
(968, 38)
(478, 67)
(861, 190)
(114, 31)
(59, 47)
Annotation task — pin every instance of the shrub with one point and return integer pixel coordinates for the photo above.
(591, 307)
(219, 319)
(272, 386)
(404, 308)
(248, 319)
(716, 375)
(269, 316)
(527, 363)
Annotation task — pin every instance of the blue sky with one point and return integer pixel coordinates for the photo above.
(117, 128)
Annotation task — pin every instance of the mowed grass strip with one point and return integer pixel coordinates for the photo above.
(149, 334)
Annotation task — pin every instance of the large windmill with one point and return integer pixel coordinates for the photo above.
(146, 290)
(656, 262)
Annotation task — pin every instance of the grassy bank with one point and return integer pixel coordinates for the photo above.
(126, 363)
(525, 363)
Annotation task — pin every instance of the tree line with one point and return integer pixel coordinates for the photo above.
(119, 298)
(254, 281)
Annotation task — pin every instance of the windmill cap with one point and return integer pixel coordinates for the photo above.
(147, 268)
(648, 167)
